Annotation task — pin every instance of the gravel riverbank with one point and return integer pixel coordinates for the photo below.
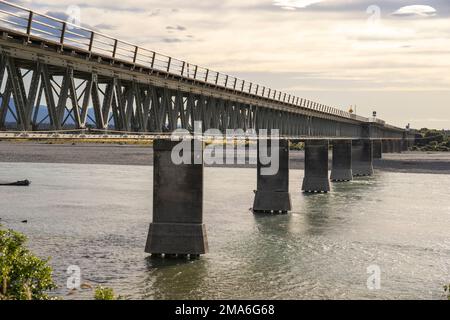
(413, 162)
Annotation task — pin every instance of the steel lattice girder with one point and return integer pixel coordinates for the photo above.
(135, 106)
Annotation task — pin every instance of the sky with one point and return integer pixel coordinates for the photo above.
(389, 56)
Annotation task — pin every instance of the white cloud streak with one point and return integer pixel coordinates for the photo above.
(416, 10)
(295, 4)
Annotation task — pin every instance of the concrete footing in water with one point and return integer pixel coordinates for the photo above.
(272, 194)
(316, 166)
(342, 161)
(362, 157)
(177, 228)
(175, 256)
(377, 149)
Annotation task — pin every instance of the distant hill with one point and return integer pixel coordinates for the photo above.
(10, 121)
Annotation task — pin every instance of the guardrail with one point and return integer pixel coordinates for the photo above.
(41, 26)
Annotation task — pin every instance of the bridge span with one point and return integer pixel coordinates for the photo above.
(57, 76)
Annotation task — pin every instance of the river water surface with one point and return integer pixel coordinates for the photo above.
(97, 217)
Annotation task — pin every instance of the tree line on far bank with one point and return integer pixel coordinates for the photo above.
(432, 140)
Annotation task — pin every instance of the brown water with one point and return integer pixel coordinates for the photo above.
(97, 217)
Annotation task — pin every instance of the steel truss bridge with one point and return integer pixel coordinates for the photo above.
(58, 75)
(63, 78)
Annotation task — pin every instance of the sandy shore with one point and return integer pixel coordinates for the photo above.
(414, 162)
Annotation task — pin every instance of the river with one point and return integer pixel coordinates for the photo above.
(97, 217)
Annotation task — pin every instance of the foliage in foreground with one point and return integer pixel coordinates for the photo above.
(23, 276)
(447, 291)
(102, 293)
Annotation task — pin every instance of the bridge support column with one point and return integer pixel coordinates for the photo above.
(404, 145)
(398, 146)
(392, 146)
(362, 155)
(272, 194)
(385, 146)
(395, 146)
(177, 227)
(377, 149)
(316, 166)
(410, 141)
(342, 161)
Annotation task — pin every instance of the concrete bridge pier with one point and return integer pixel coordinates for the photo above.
(272, 194)
(391, 146)
(362, 157)
(177, 227)
(316, 166)
(342, 161)
(410, 140)
(404, 145)
(385, 147)
(398, 146)
(377, 149)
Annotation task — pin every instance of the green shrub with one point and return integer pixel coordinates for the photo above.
(447, 291)
(434, 135)
(103, 293)
(23, 276)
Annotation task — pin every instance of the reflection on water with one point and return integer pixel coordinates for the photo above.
(97, 217)
(174, 278)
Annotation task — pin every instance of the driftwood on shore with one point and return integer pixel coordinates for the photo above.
(21, 183)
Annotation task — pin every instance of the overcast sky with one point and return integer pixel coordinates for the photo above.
(384, 55)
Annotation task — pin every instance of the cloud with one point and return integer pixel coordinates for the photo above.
(104, 26)
(171, 40)
(65, 17)
(358, 7)
(294, 4)
(177, 28)
(154, 13)
(416, 10)
(58, 15)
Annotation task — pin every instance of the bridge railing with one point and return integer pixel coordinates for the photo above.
(41, 26)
